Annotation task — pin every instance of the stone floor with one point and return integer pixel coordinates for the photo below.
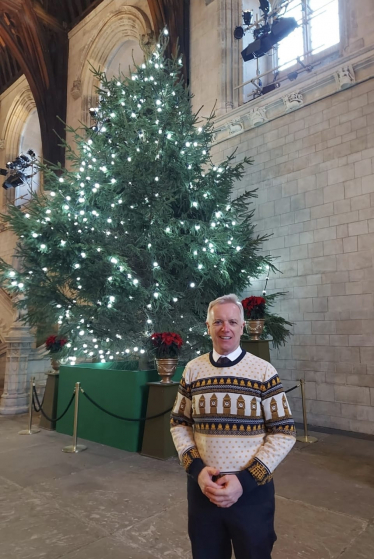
(106, 503)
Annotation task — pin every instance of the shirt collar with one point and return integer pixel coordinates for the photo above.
(232, 356)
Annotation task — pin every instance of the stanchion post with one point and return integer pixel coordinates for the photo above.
(30, 430)
(75, 447)
(305, 438)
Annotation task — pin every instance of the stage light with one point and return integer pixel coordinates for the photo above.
(270, 87)
(247, 17)
(282, 27)
(292, 76)
(14, 170)
(266, 40)
(265, 6)
(17, 179)
(238, 32)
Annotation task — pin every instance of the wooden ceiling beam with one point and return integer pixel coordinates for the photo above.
(175, 15)
(42, 57)
(46, 18)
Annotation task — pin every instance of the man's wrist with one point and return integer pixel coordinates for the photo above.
(195, 468)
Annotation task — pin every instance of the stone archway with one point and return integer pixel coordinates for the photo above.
(18, 114)
(127, 24)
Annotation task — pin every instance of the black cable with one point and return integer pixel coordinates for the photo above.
(34, 406)
(43, 413)
(293, 388)
(33, 402)
(119, 416)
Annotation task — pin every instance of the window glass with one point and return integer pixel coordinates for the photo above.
(324, 24)
(293, 45)
(30, 139)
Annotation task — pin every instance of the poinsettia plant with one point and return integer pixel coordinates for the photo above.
(276, 327)
(166, 344)
(54, 344)
(254, 308)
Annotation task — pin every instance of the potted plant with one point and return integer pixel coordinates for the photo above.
(166, 347)
(254, 316)
(54, 345)
(261, 323)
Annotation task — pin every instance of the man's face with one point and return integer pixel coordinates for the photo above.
(225, 327)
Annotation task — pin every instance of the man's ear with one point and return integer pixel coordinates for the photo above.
(207, 326)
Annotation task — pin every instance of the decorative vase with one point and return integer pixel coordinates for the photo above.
(55, 363)
(255, 328)
(166, 369)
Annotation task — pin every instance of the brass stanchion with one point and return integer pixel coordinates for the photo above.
(305, 438)
(30, 430)
(75, 447)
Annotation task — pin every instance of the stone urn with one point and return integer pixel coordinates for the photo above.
(55, 364)
(166, 369)
(255, 328)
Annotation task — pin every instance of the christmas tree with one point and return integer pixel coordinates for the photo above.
(142, 231)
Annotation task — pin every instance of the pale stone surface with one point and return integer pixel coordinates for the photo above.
(106, 502)
(313, 166)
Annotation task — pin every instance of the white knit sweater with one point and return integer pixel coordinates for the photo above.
(234, 418)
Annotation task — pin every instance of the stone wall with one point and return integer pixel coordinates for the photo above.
(314, 171)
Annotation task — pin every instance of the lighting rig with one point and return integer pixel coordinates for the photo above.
(267, 31)
(15, 170)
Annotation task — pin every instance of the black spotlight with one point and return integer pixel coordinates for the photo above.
(267, 88)
(265, 40)
(282, 27)
(3, 172)
(31, 153)
(238, 32)
(265, 6)
(17, 179)
(292, 76)
(18, 162)
(247, 17)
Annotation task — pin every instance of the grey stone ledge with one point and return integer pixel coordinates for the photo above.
(312, 87)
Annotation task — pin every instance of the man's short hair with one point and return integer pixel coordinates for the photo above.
(231, 298)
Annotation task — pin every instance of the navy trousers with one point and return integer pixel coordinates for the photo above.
(248, 525)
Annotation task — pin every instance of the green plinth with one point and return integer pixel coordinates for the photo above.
(258, 348)
(124, 393)
(157, 441)
(50, 402)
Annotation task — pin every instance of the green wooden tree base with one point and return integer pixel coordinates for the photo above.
(157, 441)
(258, 348)
(50, 402)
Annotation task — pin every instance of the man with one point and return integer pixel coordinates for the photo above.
(231, 426)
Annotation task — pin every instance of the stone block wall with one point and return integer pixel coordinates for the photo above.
(314, 171)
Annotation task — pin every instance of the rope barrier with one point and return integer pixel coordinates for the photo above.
(35, 395)
(293, 388)
(119, 416)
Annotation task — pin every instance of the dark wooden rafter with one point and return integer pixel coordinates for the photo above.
(175, 15)
(34, 42)
(10, 70)
(43, 59)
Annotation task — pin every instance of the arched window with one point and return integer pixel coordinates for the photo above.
(30, 139)
(122, 58)
(318, 29)
(315, 38)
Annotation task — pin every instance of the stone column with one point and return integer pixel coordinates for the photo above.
(228, 17)
(15, 396)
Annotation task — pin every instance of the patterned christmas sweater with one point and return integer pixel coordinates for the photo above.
(235, 418)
